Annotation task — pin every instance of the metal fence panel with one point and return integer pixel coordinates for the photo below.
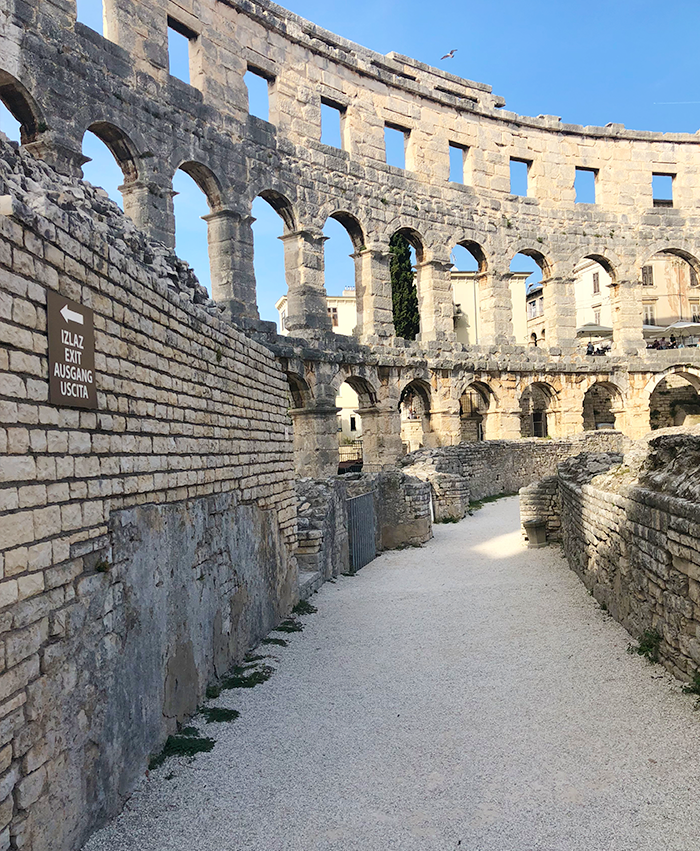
(361, 529)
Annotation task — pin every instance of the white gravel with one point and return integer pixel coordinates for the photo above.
(469, 694)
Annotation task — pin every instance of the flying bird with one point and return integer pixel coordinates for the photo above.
(450, 55)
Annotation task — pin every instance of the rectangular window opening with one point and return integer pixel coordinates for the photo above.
(353, 424)
(395, 141)
(458, 156)
(332, 121)
(695, 311)
(584, 184)
(649, 313)
(180, 40)
(596, 282)
(518, 176)
(91, 13)
(258, 85)
(596, 315)
(662, 189)
(647, 276)
(333, 313)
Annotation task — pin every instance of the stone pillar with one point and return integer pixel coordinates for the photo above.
(447, 427)
(231, 261)
(150, 208)
(495, 309)
(375, 312)
(141, 29)
(628, 338)
(306, 294)
(435, 302)
(508, 422)
(316, 440)
(381, 438)
(560, 312)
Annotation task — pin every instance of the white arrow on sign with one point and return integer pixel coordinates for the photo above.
(70, 315)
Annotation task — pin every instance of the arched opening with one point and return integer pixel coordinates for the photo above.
(20, 118)
(414, 406)
(112, 159)
(675, 401)
(474, 406)
(342, 232)
(602, 407)
(529, 271)
(593, 277)
(669, 290)
(354, 395)
(197, 194)
(538, 411)
(468, 267)
(273, 216)
(406, 250)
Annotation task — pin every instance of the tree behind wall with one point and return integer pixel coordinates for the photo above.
(403, 291)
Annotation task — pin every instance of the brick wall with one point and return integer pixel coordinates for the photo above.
(143, 545)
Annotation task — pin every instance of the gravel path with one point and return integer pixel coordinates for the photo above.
(469, 694)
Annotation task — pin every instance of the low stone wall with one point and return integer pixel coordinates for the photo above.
(631, 531)
(402, 518)
(473, 471)
(144, 545)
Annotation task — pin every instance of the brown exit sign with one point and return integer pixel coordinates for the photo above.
(71, 353)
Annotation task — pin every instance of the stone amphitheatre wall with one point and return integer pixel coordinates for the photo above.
(631, 531)
(144, 545)
(62, 79)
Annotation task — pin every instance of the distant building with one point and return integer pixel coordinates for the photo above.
(341, 308)
(465, 295)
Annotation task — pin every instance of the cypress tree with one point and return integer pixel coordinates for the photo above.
(403, 291)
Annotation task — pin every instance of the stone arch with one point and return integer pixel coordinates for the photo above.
(414, 239)
(687, 253)
(120, 146)
(608, 265)
(282, 206)
(690, 373)
(414, 406)
(299, 390)
(545, 263)
(352, 225)
(22, 106)
(477, 402)
(603, 406)
(477, 251)
(206, 180)
(539, 410)
(674, 397)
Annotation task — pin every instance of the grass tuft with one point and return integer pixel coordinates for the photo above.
(280, 642)
(219, 715)
(241, 677)
(185, 743)
(648, 646)
(303, 607)
(290, 625)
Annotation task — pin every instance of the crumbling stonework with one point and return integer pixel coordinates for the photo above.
(401, 510)
(630, 530)
(473, 471)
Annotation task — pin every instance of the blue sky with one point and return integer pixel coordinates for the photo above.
(632, 63)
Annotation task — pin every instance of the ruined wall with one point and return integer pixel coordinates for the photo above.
(144, 544)
(473, 471)
(633, 536)
(401, 510)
